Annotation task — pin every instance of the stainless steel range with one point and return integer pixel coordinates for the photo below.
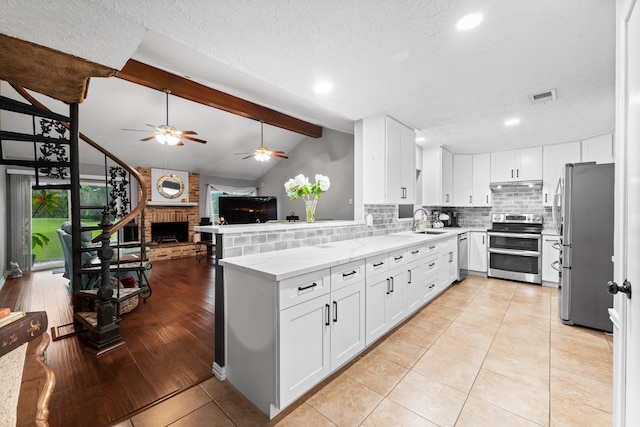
(515, 247)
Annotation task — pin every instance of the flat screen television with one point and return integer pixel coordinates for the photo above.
(246, 210)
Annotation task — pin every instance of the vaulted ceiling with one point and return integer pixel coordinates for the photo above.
(401, 57)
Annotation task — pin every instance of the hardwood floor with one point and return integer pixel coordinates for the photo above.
(168, 344)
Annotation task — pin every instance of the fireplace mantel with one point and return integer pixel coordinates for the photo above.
(178, 204)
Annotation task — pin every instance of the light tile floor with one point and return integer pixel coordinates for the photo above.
(485, 353)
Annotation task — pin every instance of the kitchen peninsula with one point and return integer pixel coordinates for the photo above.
(297, 315)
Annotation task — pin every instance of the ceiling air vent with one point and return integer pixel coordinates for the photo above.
(546, 96)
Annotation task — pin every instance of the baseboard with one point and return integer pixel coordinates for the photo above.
(219, 372)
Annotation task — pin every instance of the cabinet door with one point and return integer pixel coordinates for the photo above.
(375, 308)
(415, 285)
(408, 165)
(598, 149)
(554, 157)
(443, 268)
(447, 178)
(393, 136)
(478, 251)
(481, 192)
(395, 307)
(549, 256)
(503, 166)
(462, 180)
(347, 323)
(453, 266)
(305, 353)
(528, 164)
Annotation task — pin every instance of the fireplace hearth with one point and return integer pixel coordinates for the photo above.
(170, 232)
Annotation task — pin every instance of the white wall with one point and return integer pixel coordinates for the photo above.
(330, 155)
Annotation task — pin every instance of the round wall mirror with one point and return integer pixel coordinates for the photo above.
(170, 186)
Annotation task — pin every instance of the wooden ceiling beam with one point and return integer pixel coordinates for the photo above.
(154, 78)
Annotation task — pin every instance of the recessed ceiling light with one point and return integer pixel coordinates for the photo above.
(419, 138)
(469, 21)
(322, 88)
(512, 122)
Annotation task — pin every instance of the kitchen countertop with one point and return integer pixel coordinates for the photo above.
(280, 265)
(271, 226)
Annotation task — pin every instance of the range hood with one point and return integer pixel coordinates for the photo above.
(515, 185)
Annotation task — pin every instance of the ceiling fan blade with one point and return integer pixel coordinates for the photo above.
(279, 155)
(189, 132)
(239, 154)
(279, 152)
(180, 144)
(152, 126)
(136, 130)
(248, 157)
(190, 138)
(149, 138)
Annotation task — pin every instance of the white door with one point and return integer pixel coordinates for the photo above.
(528, 163)
(478, 251)
(376, 297)
(481, 193)
(393, 136)
(626, 382)
(395, 298)
(347, 323)
(462, 179)
(503, 166)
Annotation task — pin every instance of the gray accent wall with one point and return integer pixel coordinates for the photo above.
(330, 155)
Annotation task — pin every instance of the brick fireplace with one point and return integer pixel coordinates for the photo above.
(171, 214)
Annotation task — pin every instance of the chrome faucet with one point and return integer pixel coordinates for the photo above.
(414, 223)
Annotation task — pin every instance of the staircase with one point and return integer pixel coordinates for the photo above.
(55, 139)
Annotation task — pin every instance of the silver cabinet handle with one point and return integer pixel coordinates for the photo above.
(487, 199)
(388, 285)
(556, 266)
(557, 246)
(517, 173)
(409, 281)
(392, 284)
(470, 199)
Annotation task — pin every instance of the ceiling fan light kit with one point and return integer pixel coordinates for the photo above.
(170, 135)
(262, 153)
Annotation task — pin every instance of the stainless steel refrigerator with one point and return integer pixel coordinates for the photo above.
(583, 216)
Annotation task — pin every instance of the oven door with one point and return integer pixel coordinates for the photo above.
(524, 266)
(515, 241)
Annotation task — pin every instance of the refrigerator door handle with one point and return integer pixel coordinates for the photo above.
(555, 266)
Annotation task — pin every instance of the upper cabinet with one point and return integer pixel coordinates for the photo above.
(481, 194)
(463, 180)
(554, 159)
(437, 176)
(516, 165)
(598, 149)
(389, 161)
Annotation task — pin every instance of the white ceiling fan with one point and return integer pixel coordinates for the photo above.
(167, 134)
(262, 153)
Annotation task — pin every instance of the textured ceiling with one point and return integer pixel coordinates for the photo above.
(402, 57)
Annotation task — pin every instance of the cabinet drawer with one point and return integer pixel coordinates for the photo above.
(431, 265)
(415, 253)
(346, 274)
(377, 264)
(398, 258)
(303, 288)
(431, 248)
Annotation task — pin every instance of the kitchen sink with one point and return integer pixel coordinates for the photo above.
(431, 231)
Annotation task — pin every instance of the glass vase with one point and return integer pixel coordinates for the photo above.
(310, 206)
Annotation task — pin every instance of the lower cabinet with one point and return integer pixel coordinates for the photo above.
(478, 251)
(284, 337)
(550, 255)
(448, 262)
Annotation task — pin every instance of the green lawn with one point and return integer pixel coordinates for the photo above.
(48, 226)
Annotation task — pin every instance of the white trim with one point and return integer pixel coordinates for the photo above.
(219, 372)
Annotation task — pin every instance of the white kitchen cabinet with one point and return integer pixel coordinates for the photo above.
(523, 164)
(463, 180)
(385, 306)
(448, 263)
(437, 176)
(478, 251)
(305, 347)
(550, 255)
(598, 149)
(389, 161)
(554, 158)
(481, 180)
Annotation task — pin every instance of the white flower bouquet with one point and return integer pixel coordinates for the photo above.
(300, 187)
